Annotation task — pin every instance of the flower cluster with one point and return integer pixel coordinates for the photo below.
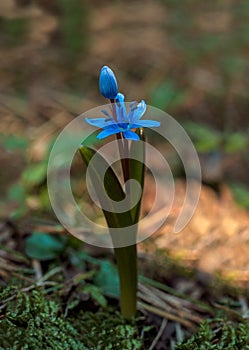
(121, 120)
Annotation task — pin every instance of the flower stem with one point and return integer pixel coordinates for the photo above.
(126, 257)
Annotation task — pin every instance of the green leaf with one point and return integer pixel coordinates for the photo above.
(19, 213)
(42, 246)
(236, 142)
(91, 140)
(96, 294)
(35, 174)
(167, 95)
(44, 199)
(125, 255)
(108, 189)
(241, 194)
(137, 169)
(14, 142)
(107, 279)
(205, 138)
(17, 193)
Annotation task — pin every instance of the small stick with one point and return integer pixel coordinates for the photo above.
(160, 332)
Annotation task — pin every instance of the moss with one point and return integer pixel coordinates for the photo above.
(218, 335)
(33, 321)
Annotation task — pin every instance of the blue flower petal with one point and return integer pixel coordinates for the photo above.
(130, 135)
(145, 123)
(99, 122)
(120, 97)
(111, 130)
(121, 109)
(137, 112)
(124, 122)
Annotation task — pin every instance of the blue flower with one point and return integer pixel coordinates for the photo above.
(124, 122)
(108, 85)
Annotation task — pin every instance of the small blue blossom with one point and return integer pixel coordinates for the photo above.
(108, 85)
(124, 121)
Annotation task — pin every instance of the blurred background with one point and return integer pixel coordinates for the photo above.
(189, 58)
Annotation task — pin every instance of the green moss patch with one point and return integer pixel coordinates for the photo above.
(218, 334)
(32, 320)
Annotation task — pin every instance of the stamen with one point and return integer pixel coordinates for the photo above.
(105, 113)
(133, 103)
(109, 119)
(108, 116)
(133, 106)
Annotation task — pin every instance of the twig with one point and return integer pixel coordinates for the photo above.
(179, 333)
(232, 313)
(38, 270)
(49, 274)
(197, 303)
(159, 334)
(166, 315)
(172, 304)
(41, 282)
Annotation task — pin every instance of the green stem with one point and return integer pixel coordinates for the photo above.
(126, 257)
(127, 269)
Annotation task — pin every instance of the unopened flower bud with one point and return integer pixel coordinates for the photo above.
(108, 85)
